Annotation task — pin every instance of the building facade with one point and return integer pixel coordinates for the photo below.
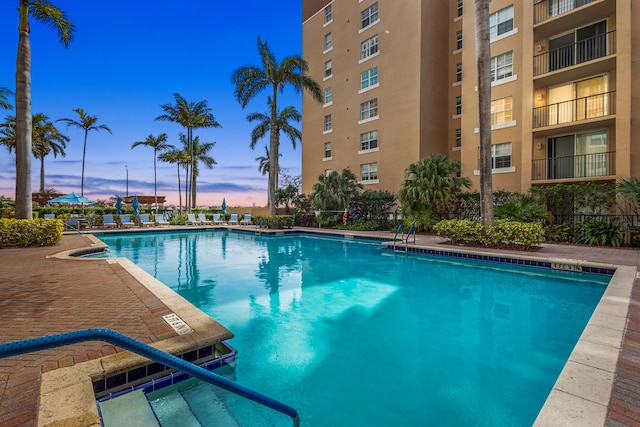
(399, 79)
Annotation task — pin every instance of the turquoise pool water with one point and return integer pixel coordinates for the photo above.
(351, 335)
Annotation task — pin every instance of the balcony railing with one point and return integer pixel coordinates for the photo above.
(578, 166)
(575, 110)
(547, 9)
(577, 53)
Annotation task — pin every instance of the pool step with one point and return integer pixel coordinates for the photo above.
(134, 409)
(173, 411)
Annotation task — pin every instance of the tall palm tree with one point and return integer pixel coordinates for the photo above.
(334, 191)
(282, 125)
(190, 115)
(54, 18)
(180, 158)
(87, 123)
(483, 60)
(201, 155)
(158, 144)
(250, 80)
(4, 98)
(47, 139)
(263, 167)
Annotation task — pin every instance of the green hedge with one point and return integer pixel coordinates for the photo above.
(276, 221)
(502, 233)
(23, 232)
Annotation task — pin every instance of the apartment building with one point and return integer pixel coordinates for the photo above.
(399, 79)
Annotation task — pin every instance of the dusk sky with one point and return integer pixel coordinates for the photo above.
(127, 58)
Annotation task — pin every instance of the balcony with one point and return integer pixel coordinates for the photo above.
(585, 50)
(547, 9)
(575, 110)
(578, 166)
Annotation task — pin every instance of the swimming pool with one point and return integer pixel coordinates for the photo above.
(351, 335)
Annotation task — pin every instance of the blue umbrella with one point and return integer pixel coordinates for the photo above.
(71, 198)
(135, 205)
(224, 206)
(119, 205)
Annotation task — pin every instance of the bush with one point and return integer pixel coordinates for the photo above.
(359, 225)
(502, 233)
(23, 232)
(603, 232)
(559, 233)
(460, 230)
(277, 222)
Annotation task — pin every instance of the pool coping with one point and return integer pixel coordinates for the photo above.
(580, 395)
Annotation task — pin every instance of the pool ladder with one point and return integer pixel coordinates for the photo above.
(400, 230)
(260, 224)
(15, 348)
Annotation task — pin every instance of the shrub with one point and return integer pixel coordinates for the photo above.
(359, 225)
(502, 233)
(277, 221)
(23, 232)
(603, 232)
(460, 230)
(559, 233)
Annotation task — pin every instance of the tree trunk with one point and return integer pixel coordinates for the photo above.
(273, 154)
(483, 59)
(23, 118)
(179, 192)
(84, 154)
(155, 183)
(42, 174)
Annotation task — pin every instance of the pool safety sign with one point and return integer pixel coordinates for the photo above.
(177, 324)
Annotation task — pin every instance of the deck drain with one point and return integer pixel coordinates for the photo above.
(111, 261)
(177, 324)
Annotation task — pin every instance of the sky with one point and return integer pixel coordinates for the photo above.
(129, 57)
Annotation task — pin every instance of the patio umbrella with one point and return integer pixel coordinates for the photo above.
(135, 205)
(118, 205)
(224, 206)
(71, 198)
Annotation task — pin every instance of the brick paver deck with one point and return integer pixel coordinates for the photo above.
(41, 296)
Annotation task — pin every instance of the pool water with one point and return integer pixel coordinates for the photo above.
(351, 335)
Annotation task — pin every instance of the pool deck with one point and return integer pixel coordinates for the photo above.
(44, 294)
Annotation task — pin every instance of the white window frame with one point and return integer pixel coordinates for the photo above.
(459, 9)
(458, 138)
(506, 148)
(328, 70)
(327, 124)
(498, 18)
(328, 42)
(369, 16)
(369, 173)
(458, 110)
(501, 109)
(368, 142)
(368, 79)
(496, 67)
(328, 97)
(328, 15)
(458, 40)
(458, 72)
(369, 48)
(369, 110)
(327, 150)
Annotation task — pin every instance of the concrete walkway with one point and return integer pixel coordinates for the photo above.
(42, 295)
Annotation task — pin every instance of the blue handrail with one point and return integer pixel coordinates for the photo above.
(400, 229)
(15, 348)
(414, 230)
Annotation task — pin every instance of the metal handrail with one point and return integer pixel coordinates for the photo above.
(15, 348)
(589, 49)
(574, 110)
(413, 230)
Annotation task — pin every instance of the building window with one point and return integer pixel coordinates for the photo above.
(458, 105)
(579, 156)
(501, 22)
(369, 140)
(327, 150)
(369, 78)
(369, 172)
(501, 111)
(459, 39)
(327, 123)
(369, 47)
(327, 41)
(327, 69)
(458, 72)
(370, 16)
(328, 17)
(458, 142)
(369, 109)
(459, 10)
(502, 66)
(328, 99)
(327, 172)
(501, 155)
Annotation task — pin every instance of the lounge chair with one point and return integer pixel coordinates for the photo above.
(108, 221)
(125, 220)
(217, 219)
(203, 219)
(246, 220)
(145, 221)
(191, 220)
(160, 220)
(233, 219)
(49, 216)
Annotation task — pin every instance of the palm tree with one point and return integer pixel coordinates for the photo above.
(46, 140)
(158, 144)
(483, 60)
(282, 125)
(4, 102)
(251, 79)
(54, 18)
(333, 192)
(178, 157)
(190, 115)
(87, 123)
(201, 155)
(263, 166)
